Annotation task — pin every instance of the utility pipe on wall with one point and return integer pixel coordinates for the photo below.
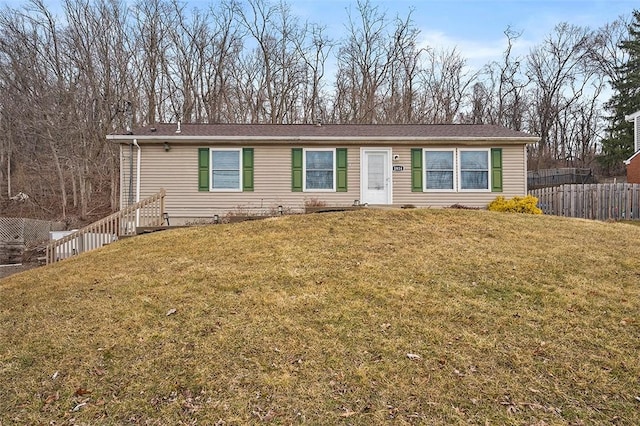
(138, 160)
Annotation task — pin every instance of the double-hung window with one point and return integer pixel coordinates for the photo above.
(226, 167)
(439, 169)
(474, 169)
(457, 169)
(319, 169)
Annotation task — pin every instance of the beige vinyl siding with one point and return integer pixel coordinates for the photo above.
(177, 172)
(513, 180)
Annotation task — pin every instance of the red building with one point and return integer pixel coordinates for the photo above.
(633, 163)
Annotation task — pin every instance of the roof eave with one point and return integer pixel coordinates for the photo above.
(628, 160)
(319, 139)
(632, 117)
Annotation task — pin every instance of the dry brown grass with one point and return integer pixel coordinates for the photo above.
(310, 319)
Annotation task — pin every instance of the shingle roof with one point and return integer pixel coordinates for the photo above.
(274, 131)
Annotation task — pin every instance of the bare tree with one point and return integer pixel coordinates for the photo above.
(35, 77)
(281, 69)
(606, 52)
(444, 84)
(315, 52)
(153, 22)
(559, 71)
(404, 68)
(219, 53)
(362, 65)
(499, 96)
(95, 40)
(103, 65)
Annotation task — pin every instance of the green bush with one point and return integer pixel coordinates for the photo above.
(528, 204)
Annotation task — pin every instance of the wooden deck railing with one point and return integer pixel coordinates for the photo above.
(148, 212)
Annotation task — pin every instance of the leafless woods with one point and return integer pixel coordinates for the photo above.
(72, 75)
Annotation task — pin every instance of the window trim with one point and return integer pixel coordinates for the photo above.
(304, 170)
(457, 170)
(424, 169)
(459, 167)
(240, 170)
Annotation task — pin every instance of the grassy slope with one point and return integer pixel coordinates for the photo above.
(516, 320)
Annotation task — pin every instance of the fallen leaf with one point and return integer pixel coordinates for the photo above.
(81, 392)
(171, 311)
(414, 357)
(51, 398)
(55, 375)
(348, 413)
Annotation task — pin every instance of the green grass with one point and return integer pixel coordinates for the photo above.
(515, 319)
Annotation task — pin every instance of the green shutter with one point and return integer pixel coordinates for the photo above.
(296, 169)
(341, 169)
(416, 170)
(247, 169)
(496, 169)
(203, 169)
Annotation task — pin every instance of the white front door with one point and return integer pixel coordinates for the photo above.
(375, 176)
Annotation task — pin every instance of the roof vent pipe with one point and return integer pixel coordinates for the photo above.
(318, 122)
(178, 130)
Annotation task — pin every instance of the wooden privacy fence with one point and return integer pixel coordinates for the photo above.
(553, 177)
(603, 201)
(148, 212)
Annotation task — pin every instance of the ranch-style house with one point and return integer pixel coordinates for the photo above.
(218, 169)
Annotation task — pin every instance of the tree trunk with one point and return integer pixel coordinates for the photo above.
(59, 172)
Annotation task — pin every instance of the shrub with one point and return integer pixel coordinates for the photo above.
(528, 204)
(463, 207)
(315, 202)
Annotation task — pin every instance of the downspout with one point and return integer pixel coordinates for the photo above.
(135, 142)
(526, 172)
(130, 190)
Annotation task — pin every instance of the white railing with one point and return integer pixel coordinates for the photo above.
(148, 212)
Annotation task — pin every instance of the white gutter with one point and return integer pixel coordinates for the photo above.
(635, 119)
(342, 139)
(135, 143)
(633, 116)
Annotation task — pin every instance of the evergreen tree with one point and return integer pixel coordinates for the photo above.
(618, 145)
